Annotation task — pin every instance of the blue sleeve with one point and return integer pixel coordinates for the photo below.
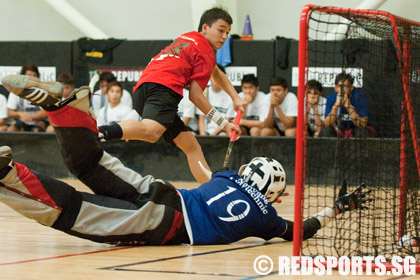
(330, 103)
(360, 103)
(276, 228)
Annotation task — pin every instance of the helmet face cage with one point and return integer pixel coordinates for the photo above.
(267, 175)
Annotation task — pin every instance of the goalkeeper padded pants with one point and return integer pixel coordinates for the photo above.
(126, 207)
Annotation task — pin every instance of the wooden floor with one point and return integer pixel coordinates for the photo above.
(31, 251)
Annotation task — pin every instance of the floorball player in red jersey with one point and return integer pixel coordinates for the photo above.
(188, 62)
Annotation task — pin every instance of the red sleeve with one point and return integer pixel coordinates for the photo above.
(204, 63)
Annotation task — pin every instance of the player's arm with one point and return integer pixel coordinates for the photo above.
(218, 129)
(222, 80)
(197, 97)
(345, 202)
(201, 124)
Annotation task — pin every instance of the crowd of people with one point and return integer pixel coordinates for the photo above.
(343, 113)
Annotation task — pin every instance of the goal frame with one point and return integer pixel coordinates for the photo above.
(403, 59)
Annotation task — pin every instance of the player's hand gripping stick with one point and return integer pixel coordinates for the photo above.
(232, 139)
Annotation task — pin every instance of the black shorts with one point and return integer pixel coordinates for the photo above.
(159, 103)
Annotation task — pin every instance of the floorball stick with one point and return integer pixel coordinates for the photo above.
(232, 139)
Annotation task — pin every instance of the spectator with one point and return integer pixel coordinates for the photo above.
(68, 82)
(220, 100)
(26, 116)
(3, 113)
(316, 108)
(187, 111)
(253, 119)
(282, 107)
(346, 112)
(114, 111)
(99, 99)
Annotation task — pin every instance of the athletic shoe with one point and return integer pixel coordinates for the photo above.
(80, 99)
(33, 90)
(40, 97)
(6, 161)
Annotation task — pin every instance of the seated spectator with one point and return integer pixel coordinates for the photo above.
(220, 100)
(115, 111)
(67, 80)
(3, 112)
(316, 108)
(346, 112)
(26, 116)
(281, 108)
(187, 111)
(255, 111)
(99, 99)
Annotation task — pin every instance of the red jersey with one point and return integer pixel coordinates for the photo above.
(190, 57)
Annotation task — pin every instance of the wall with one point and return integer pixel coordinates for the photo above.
(34, 20)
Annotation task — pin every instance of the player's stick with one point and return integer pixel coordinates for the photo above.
(206, 172)
(232, 139)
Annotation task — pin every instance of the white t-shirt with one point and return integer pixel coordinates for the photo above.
(289, 107)
(99, 100)
(257, 110)
(321, 111)
(16, 103)
(3, 106)
(121, 112)
(223, 103)
(187, 109)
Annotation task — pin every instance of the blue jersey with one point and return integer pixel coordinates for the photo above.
(359, 102)
(227, 209)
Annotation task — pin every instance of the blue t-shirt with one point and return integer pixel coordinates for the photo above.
(359, 102)
(227, 209)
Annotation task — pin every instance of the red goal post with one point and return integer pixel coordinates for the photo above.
(387, 50)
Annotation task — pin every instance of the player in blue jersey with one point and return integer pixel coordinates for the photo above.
(128, 208)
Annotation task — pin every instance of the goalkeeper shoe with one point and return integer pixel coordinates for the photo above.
(6, 161)
(33, 90)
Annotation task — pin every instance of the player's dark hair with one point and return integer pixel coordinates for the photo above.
(66, 78)
(114, 83)
(212, 15)
(314, 84)
(279, 81)
(30, 67)
(107, 77)
(250, 78)
(343, 76)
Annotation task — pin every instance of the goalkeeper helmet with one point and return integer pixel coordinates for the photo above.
(265, 174)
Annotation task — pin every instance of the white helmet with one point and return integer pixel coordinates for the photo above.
(267, 175)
